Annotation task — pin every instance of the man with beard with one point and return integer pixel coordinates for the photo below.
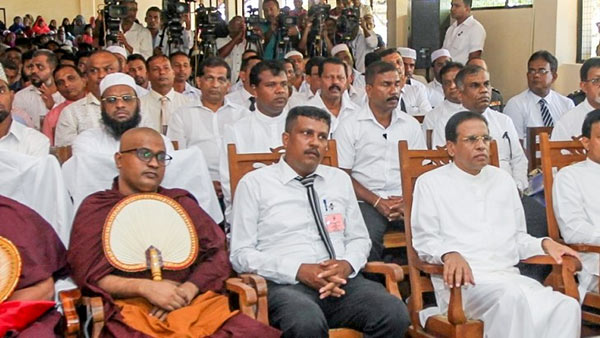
(368, 150)
(13, 135)
(41, 96)
(120, 111)
(333, 96)
(136, 68)
(182, 68)
(85, 114)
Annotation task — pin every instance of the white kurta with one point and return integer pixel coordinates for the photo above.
(80, 115)
(570, 124)
(25, 140)
(575, 202)
(482, 218)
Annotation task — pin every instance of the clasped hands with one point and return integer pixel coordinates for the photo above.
(391, 208)
(327, 277)
(167, 296)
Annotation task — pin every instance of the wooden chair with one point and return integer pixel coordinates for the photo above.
(74, 304)
(559, 154)
(533, 146)
(239, 165)
(454, 324)
(62, 153)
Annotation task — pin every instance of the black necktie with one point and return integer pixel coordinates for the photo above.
(402, 105)
(313, 200)
(252, 103)
(546, 116)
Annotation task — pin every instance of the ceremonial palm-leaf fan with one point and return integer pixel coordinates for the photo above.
(10, 268)
(149, 231)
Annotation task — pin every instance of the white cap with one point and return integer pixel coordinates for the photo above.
(439, 53)
(293, 53)
(115, 79)
(117, 50)
(3, 76)
(342, 47)
(407, 52)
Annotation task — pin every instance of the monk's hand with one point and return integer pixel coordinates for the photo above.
(190, 290)
(164, 294)
(159, 313)
(457, 271)
(336, 273)
(308, 274)
(557, 250)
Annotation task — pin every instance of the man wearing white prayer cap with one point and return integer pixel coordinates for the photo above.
(297, 59)
(421, 104)
(342, 52)
(439, 58)
(121, 54)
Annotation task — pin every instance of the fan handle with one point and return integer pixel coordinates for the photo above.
(154, 262)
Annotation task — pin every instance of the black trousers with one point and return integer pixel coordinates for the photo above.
(377, 225)
(367, 307)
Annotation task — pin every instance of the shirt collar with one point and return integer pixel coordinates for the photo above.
(592, 164)
(91, 99)
(537, 98)
(267, 119)
(16, 129)
(170, 95)
(287, 174)
(367, 114)
(468, 21)
(466, 176)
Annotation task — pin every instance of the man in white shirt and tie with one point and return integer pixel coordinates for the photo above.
(439, 58)
(297, 223)
(570, 124)
(367, 143)
(13, 135)
(202, 124)
(244, 96)
(452, 102)
(466, 36)
(575, 201)
(163, 100)
(539, 105)
(467, 215)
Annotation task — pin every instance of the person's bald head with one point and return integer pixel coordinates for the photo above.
(137, 162)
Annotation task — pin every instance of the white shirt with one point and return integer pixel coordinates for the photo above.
(361, 46)
(443, 110)
(348, 108)
(151, 106)
(502, 130)
(359, 79)
(479, 216)
(299, 98)
(357, 95)
(240, 97)
(101, 141)
(435, 93)
(414, 94)
(274, 230)
(140, 39)
(25, 140)
(463, 39)
(371, 150)
(192, 93)
(80, 115)
(525, 109)
(188, 42)
(234, 59)
(197, 125)
(575, 200)
(30, 100)
(255, 133)
(571, 122)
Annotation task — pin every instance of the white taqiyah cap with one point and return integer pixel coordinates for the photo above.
(293, 53)
(117, 50)
(115, 79)
(3, 76)
(339, 48)
(439, 53)
(407, 52)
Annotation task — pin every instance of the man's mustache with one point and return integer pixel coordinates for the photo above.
(335, 86)
(396, 98)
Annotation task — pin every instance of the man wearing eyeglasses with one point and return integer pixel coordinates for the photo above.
(148, 307)
(570, 124)
(539, 105)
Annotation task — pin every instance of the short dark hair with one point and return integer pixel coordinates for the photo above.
(69, 56)
(371, 57)
(9, 64)
(312, 62)
(273, 66)
(156, 57)
(13, 49)
(246, 61)
(51, 58)
(136, 56)
(449, 66)
(307, 111)
(153, 9)
(27, 56)
(587, 65)
(248, 51)
(332, 61)
(388, 51)
(467, 70)
(213, 62)
(591, 118)
(82, 54)
(60, 67)
(456, 120)
(546, 56)
(274, 1)
(376, 68)
(468, 3)
(177, 53)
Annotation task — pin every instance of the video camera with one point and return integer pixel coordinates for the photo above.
(285, 20)
(114, 11)
(347, 25)
(172, 11)
(319, 13)
(210, 23)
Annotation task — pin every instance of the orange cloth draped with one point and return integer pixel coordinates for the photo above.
(203, 317)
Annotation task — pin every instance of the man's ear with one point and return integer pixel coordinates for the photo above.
(285, 137)
(586, 143)
(118, 157)
(450, 147)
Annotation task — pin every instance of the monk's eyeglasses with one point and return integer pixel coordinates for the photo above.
(146, 155)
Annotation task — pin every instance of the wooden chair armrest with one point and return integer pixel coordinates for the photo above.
(432, 269)
(259, 285)
(585, 247)
(95, 309)
(393, 274)
(69, 300)
(252, 291)
(246, 294)
(570, 263)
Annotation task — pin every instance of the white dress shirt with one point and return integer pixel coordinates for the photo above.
(371, 150)
(151, 106)
(414, 94)
(299, 98)
(240, 97)
(197, 125)
(274, 230)
(571, 122)
(435, 93)
(525, 109)
(25, 140)
(361, 46)
(100, 141)
(463, 39)
(510, 152)
(80, 115)
(234, 59)
(30, 100)
(357, 95)
(192, 93)
(348, 108)
(140, 39)
(255, 133)
(359, 79)
(444, 110)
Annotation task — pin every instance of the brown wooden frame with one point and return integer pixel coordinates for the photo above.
(533, 146)
(71, 300)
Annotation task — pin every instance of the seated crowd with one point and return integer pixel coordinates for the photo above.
(126, 111)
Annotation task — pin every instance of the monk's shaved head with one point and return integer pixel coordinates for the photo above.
(136, 136)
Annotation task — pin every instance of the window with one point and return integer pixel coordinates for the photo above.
(501, 3)
(588, 39)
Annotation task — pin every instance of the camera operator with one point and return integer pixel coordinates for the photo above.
(362, 41)
(232, 46)
(271, 30)
(326, 33)
(134, 37)
(160, 37)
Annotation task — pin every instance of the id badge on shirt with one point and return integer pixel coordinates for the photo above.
(335, 222)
